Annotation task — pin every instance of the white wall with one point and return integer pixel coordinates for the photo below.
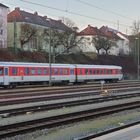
(86, 45)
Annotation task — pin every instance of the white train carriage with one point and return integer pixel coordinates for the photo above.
(14, 73)
(98, 72)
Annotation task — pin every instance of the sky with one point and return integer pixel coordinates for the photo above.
(117, 14)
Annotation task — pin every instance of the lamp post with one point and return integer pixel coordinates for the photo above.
(138, 57)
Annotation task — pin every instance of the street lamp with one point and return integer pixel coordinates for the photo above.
(138, 57)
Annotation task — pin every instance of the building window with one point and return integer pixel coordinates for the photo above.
(1, 43)
(1, 32)
(33, 43)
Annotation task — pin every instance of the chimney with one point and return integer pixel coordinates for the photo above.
(17, 8)
(60, 20)
(45, 17)
(35, 13)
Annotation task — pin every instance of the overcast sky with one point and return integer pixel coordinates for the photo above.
(117, 14)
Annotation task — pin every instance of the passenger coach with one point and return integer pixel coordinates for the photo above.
(14, 73)
(98, 72)
(18, 73)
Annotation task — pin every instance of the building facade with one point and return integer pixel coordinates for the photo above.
(30, 31)
(119, 43)
(3, 25)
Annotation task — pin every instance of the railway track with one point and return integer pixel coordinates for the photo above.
(48, 97)
(63, 119)
(45, 107)
(17, 92)
(89, 94)
(60, 91)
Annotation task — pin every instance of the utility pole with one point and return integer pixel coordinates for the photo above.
(50, 67)
(118, 25)
(15, 35)
(138, 58)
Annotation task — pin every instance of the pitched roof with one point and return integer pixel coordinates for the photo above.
(2, 5)
(109, 32)
(34, 18)
(90, 30)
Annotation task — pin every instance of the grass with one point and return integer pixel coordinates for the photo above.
(87, 127)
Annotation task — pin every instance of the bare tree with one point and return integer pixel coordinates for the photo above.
(68, 40)
(68, 22)
(53, 36)
(102, 43)
(27, 32)
(98, 43)
(107, 44)
(136, 27)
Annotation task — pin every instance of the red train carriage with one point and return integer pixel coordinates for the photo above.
(15, 73)
(87, 73)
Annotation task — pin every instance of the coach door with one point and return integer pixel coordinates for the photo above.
(1, 75)
(6, 77)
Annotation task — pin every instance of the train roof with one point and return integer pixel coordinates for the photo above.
(98, 66)
(25, 64)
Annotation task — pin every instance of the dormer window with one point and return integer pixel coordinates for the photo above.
(26, 17)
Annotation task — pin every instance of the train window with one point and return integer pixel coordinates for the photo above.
(45, 71)
(105, 72)
(109, 71)
(86, 71)
(95, 71)
(61, 71)
(26, 71)
(14, 71)
(55, 71)
(33, 71)
(100, 71)
(65, 71)
(90, 71)
(80, 71)
(39, 71)
(72, 71)
(1, 71)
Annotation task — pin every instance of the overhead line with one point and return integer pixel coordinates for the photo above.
(105, 10)
(70, 12)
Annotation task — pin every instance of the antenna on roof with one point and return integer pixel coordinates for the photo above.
(118, 25)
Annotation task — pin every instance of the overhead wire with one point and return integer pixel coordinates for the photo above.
(103, 9)
(71, 12)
